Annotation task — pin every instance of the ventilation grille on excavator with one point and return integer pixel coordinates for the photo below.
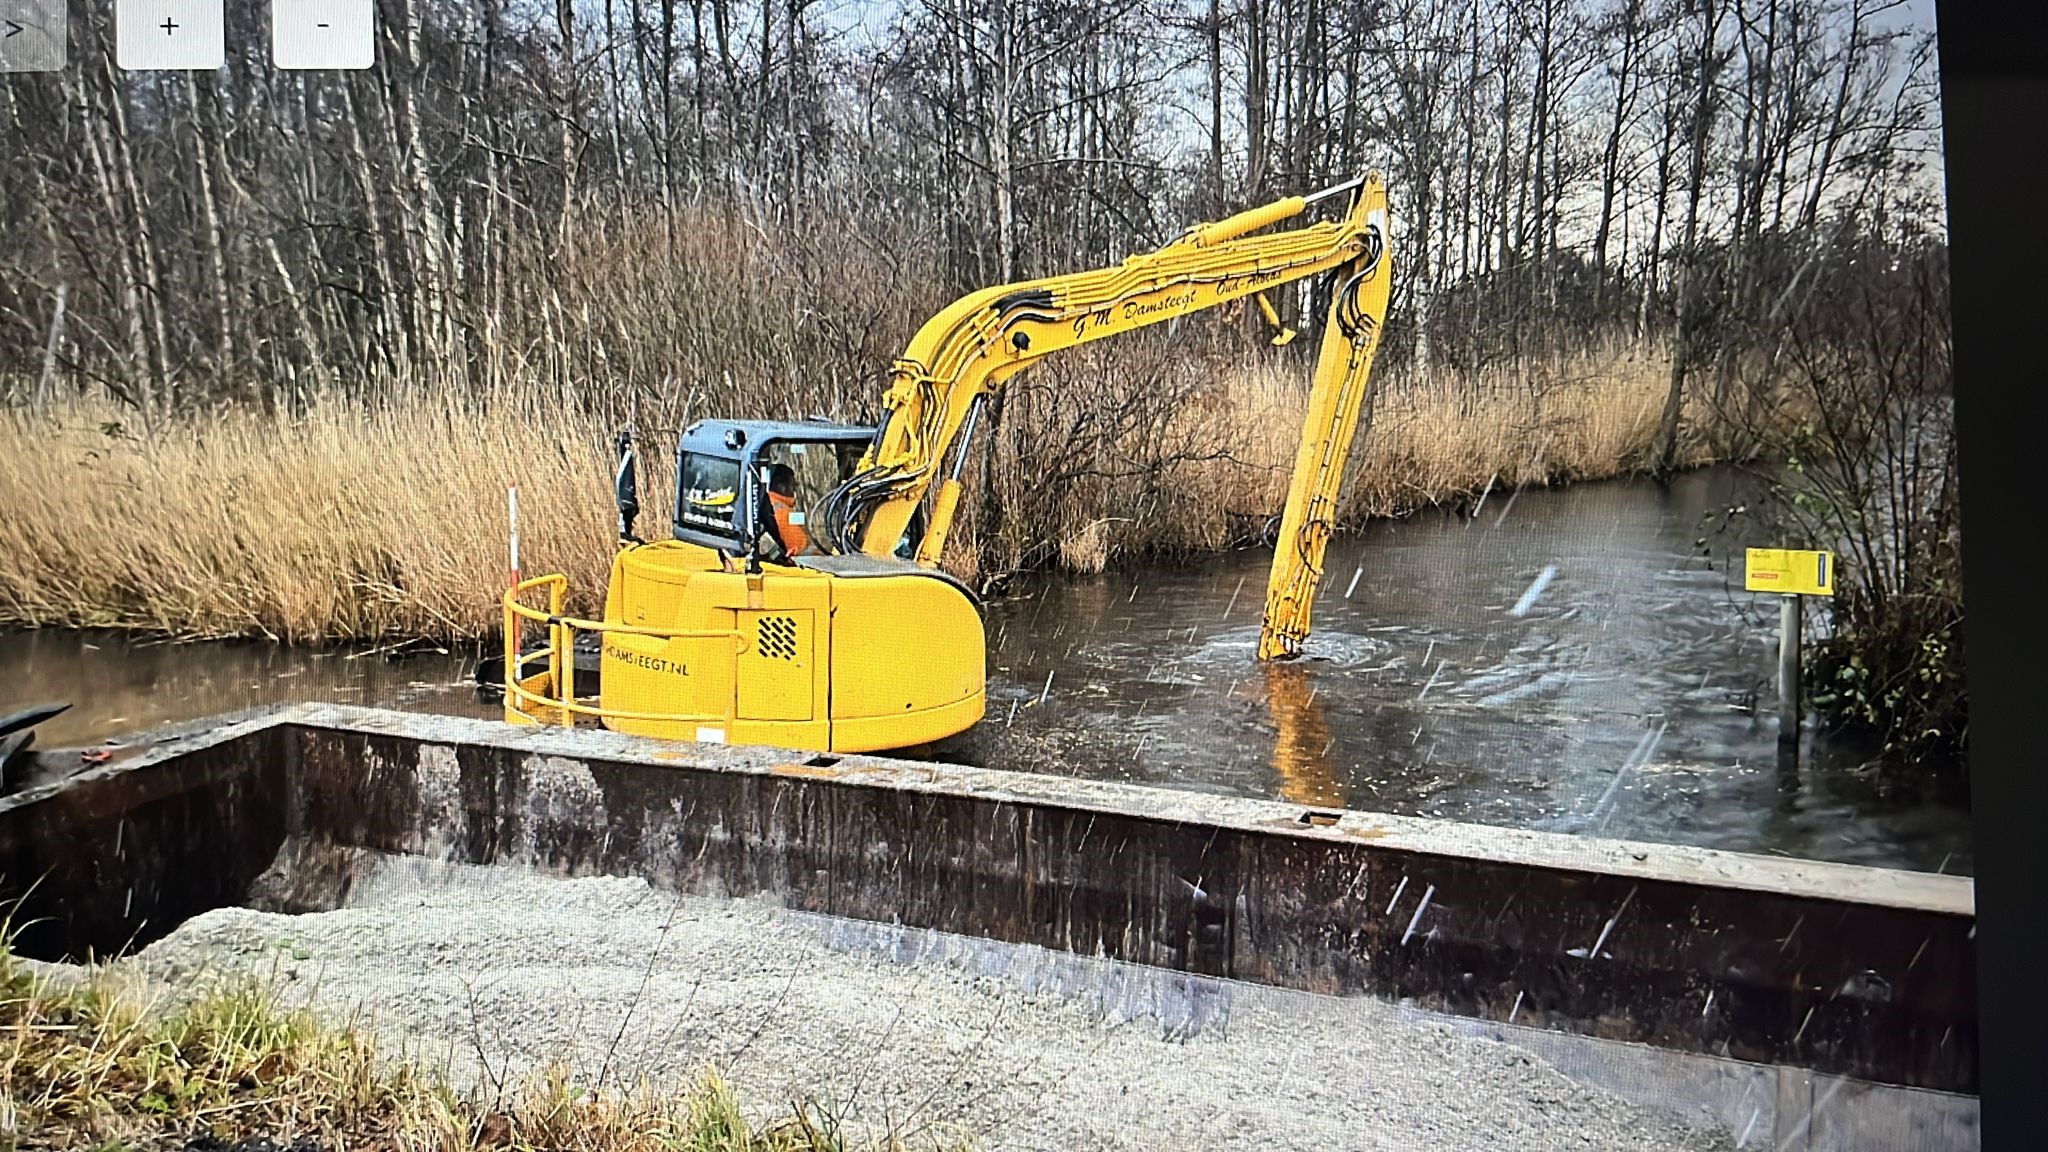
(777, 635)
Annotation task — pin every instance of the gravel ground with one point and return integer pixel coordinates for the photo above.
(493, 974)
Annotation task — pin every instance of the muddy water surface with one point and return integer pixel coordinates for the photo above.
(1579, 660)
(119, 686)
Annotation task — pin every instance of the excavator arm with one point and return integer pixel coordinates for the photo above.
(966, 352)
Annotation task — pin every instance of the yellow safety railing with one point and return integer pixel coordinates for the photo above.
(553, 691)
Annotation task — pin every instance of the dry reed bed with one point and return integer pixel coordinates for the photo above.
(109, 1061)
(345, 524)
(356, 523)
(1427, 442)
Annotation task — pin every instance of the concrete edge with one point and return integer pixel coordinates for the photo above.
(1783, 1108)
(1626, 859)
(1635, 860)
(162, 744)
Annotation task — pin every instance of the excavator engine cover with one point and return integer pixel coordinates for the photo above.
(881, 654)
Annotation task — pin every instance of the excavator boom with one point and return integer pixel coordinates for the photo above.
(967, 351)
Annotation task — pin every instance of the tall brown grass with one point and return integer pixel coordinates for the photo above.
(377, 520)
(1216, 467)
(347, 523)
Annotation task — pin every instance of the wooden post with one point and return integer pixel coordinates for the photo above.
(515, 624)
(1788, 671)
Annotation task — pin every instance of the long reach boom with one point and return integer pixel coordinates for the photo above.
(965, 353)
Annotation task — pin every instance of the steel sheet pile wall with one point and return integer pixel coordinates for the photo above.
(1843, 970)
(116, 856)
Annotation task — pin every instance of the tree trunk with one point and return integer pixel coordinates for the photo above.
(1256, 101)
(1610, 156)
(212, 237)
(570, 114)
(1213, 29)
(1664, 451)
(152, 302)
(1000, 146)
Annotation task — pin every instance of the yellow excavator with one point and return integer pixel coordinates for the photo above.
(800, 602)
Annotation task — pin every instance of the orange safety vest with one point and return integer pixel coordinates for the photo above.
(792, 534)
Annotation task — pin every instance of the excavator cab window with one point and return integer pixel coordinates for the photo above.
(724, 471)
(813, 469)
(710, 501)
(808, 470)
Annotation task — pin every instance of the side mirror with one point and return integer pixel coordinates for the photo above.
(626, 488)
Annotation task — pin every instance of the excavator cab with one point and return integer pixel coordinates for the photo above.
(718, 636)
(722, 469)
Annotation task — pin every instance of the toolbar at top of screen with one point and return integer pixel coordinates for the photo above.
(159, 35)
(32, 35)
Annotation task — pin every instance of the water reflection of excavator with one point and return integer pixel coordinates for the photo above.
(1301, 738)
(856, 640)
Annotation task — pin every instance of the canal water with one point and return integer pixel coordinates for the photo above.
(1581, 660)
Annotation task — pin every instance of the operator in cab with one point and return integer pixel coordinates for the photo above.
(789, 529)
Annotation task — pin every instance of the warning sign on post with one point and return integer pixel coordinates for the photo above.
(1790, 572)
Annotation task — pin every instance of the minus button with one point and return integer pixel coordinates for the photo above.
(322, 34)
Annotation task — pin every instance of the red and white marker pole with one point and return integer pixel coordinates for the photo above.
(512, 511)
